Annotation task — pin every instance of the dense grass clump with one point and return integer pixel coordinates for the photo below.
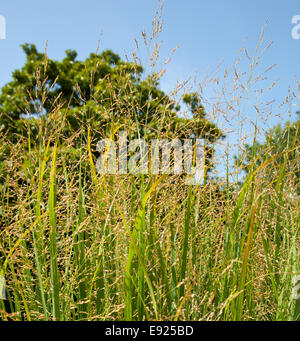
(78, 245)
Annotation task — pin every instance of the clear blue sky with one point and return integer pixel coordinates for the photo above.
(208, 31)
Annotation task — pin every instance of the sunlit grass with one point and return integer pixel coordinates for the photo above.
(78, 245)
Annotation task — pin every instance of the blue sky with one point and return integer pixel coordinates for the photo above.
(208, 31)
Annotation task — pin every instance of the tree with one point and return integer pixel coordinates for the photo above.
(282, 143)
(102, 92)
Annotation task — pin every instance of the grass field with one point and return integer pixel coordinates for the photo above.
(77, 245)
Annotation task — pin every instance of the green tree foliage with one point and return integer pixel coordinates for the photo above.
(49, 100)
(103, 91)
(281, 144)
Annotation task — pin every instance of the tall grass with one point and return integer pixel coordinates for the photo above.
(76, 245)
(147, 249)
